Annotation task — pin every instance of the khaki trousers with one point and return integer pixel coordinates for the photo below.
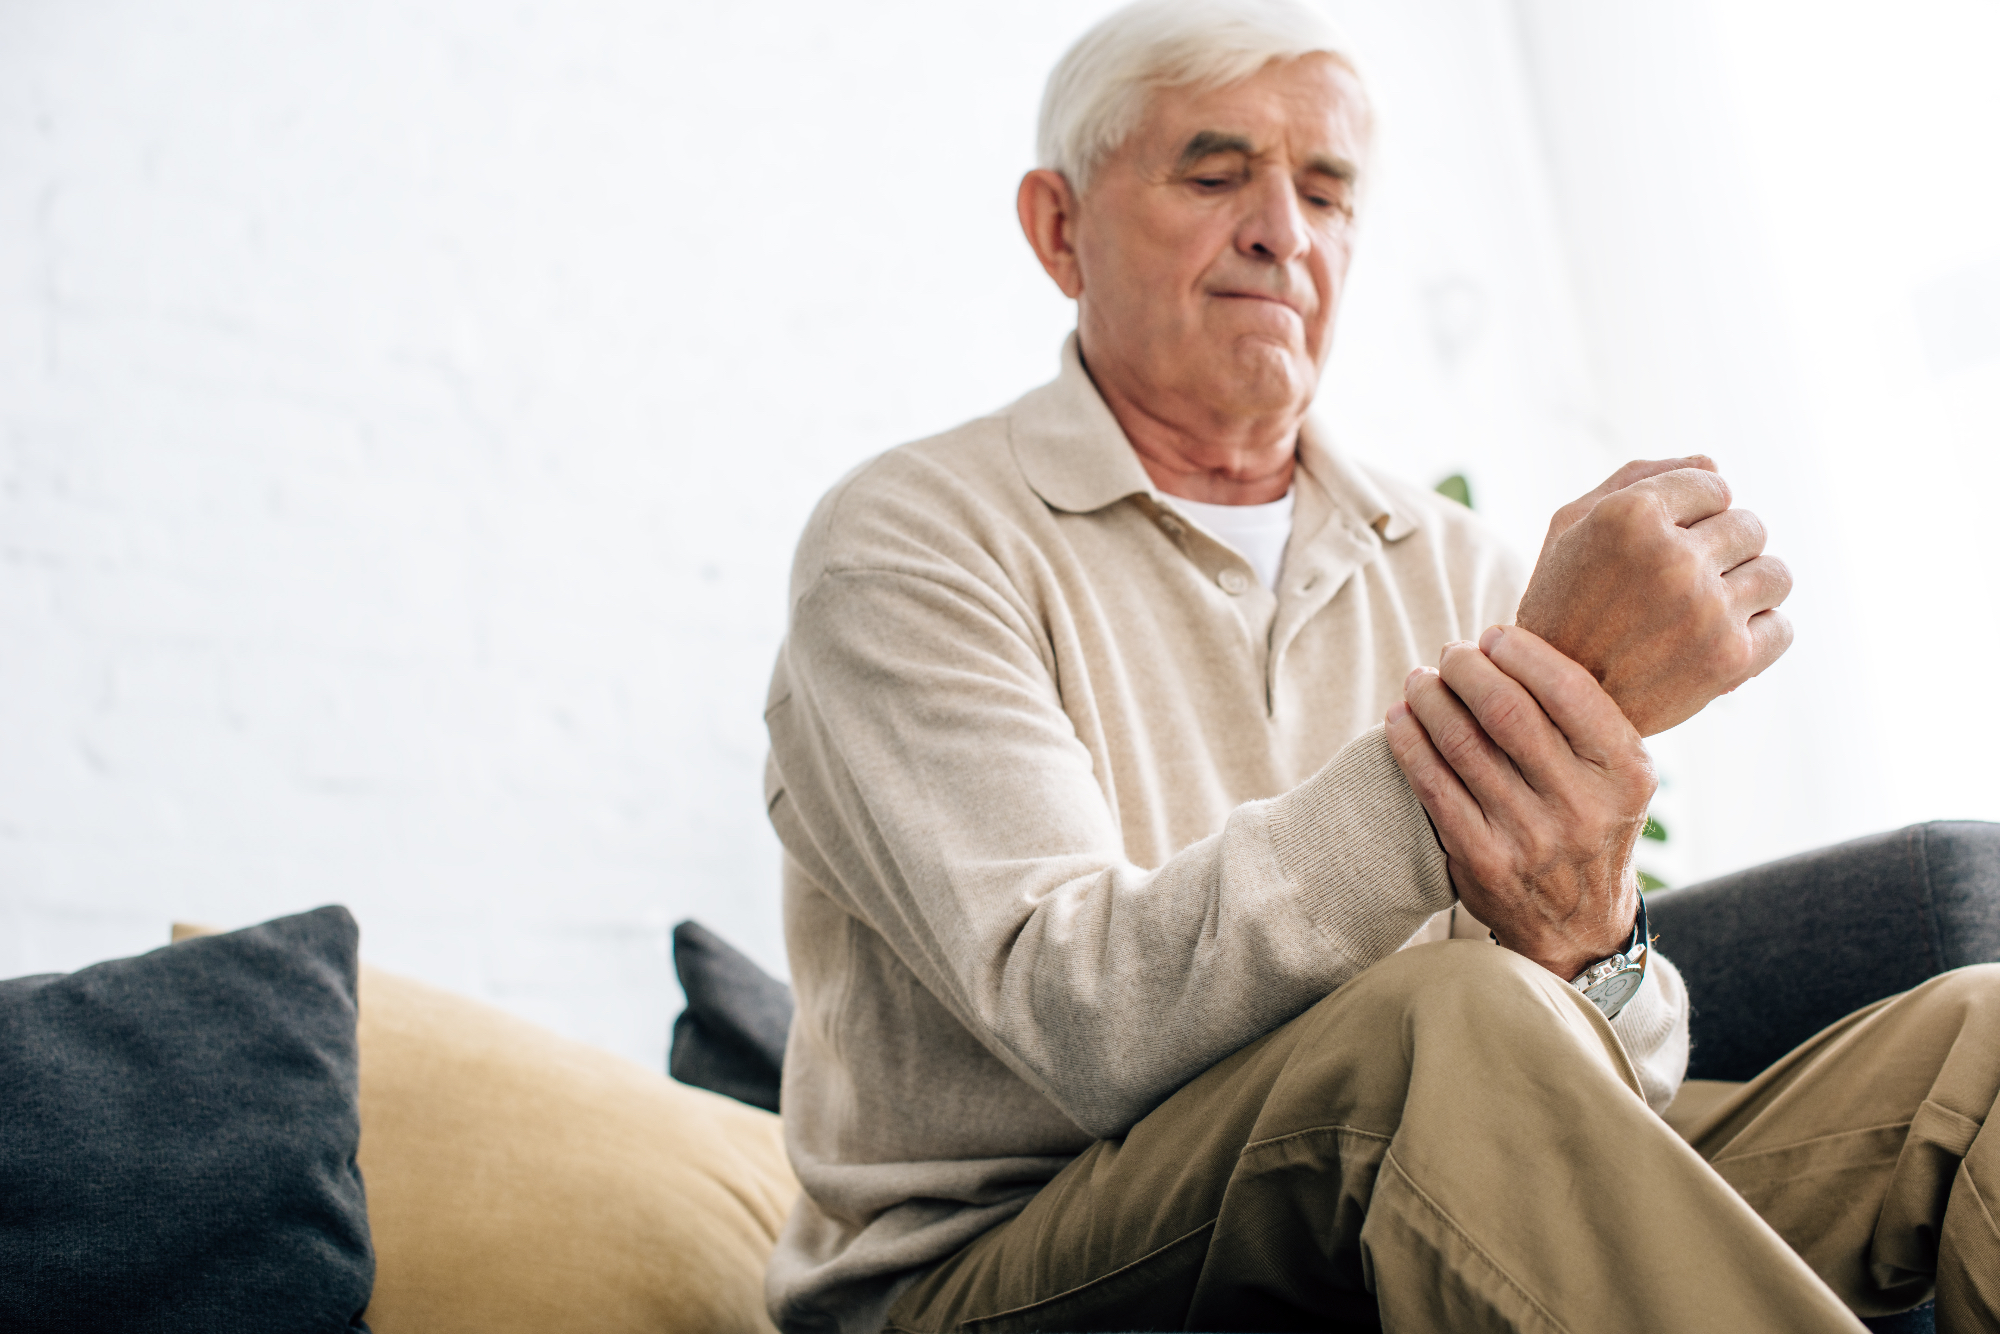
(1454, 1141)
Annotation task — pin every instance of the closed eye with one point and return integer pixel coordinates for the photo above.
(1333, 201)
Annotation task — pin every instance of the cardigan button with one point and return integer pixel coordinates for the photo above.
(1233, 582)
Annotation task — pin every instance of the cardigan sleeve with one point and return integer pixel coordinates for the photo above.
(934, 781)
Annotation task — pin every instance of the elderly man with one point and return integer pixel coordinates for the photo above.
(1146, 977)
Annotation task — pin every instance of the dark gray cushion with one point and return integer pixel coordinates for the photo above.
(1775, 953)
(731, 1037)
(1923, 1320)
(177, 1138)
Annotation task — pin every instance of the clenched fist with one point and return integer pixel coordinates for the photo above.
(1660, 590)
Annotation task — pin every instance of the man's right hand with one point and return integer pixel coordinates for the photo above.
(1660, 590)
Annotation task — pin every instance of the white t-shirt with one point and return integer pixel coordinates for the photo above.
(1257, 532)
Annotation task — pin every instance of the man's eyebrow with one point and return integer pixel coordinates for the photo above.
(1337, 167)
(1207, 143)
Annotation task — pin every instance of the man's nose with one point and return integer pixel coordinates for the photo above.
(1275, 228)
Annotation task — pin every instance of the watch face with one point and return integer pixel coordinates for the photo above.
(1611, 994)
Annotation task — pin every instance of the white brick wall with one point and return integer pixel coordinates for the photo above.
(407, 409)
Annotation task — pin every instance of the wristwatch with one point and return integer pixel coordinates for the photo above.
(1609, 983)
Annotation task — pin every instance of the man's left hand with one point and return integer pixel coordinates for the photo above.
(1537, 785)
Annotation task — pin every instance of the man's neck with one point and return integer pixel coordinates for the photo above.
(1245, 461)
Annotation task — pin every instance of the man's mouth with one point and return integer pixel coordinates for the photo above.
(1262, 296)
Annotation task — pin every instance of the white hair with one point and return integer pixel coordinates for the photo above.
(1099, 89)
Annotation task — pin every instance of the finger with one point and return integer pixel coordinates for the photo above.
(1729, 538)
(1685, 495)
(1487, 772)
(1758, 585)
(1638, 470)
(1589, 719)
(1459, 821)
(1508, 714)
(1770, 636)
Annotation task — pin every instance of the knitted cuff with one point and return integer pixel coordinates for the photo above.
(1355, 844)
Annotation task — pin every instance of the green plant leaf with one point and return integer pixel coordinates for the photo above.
(1648, 882)
(1654, 830)
(1457, 488)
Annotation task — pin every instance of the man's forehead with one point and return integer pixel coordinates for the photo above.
(1307, 109)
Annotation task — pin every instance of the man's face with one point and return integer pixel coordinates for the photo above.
(1212, 246)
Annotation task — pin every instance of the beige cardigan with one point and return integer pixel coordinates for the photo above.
(1073, 807)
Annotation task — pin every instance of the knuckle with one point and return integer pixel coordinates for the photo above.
(1622, 507)
(1632, 470)
(1505, 713)
(1643, 780)
(1578, 694)
(1634, 515)
(1458, 745)
(1710, 483)
(1712, 601)
(1778, 573)
(1684, 579)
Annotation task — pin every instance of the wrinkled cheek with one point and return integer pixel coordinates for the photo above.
(1319, 326)
(1319, 342)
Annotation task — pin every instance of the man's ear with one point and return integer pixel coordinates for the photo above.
(1047, 206)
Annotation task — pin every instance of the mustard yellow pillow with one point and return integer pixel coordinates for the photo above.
(520, 1181)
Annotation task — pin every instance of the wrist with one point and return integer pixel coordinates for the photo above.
(1614, 980)
(1565, 965)
(1567, 953)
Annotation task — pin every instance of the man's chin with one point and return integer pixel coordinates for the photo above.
(1266, 376)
